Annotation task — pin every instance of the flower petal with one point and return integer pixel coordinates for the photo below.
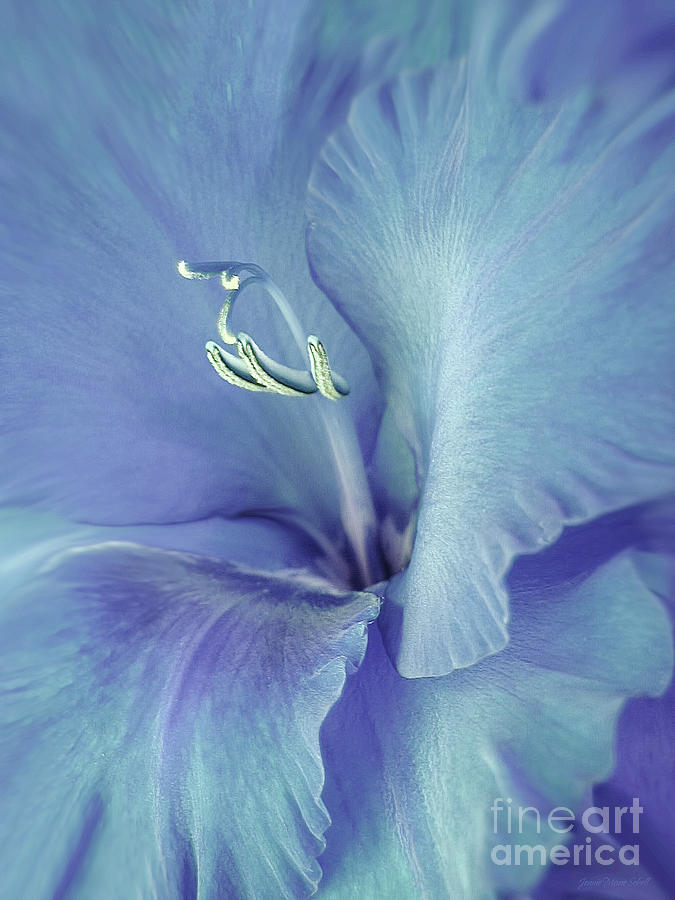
(29, 538)
(414, 766)
(160, 725)
(644, 769)
(145, 134)
(576, 43)
(509, 269)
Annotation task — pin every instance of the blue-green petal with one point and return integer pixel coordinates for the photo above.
(137, 135)
(160, 725)
(509, 268)
(414, 766)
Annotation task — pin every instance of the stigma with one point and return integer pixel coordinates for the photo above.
(252, 369)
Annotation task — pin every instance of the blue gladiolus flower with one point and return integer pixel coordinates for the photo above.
(320, 616)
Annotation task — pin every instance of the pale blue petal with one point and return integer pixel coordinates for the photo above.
(414, 766)
(29, 537)
(136, 135)
(644, 769)
(510, 269)
(160, 725)
(607, 42)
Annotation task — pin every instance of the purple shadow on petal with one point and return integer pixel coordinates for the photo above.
(92, 820)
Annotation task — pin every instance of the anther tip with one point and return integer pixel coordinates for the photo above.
(208, 270)
(229, 282)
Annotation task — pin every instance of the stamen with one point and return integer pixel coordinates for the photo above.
(261, 372)
(331, 385)
(231, 369)
(225, 333)
(252, 355)
(227, 282)
(209, 270)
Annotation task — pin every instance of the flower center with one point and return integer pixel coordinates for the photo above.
(254, 370)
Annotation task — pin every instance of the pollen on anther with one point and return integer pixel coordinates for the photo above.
(184, 270)
(230, 283)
